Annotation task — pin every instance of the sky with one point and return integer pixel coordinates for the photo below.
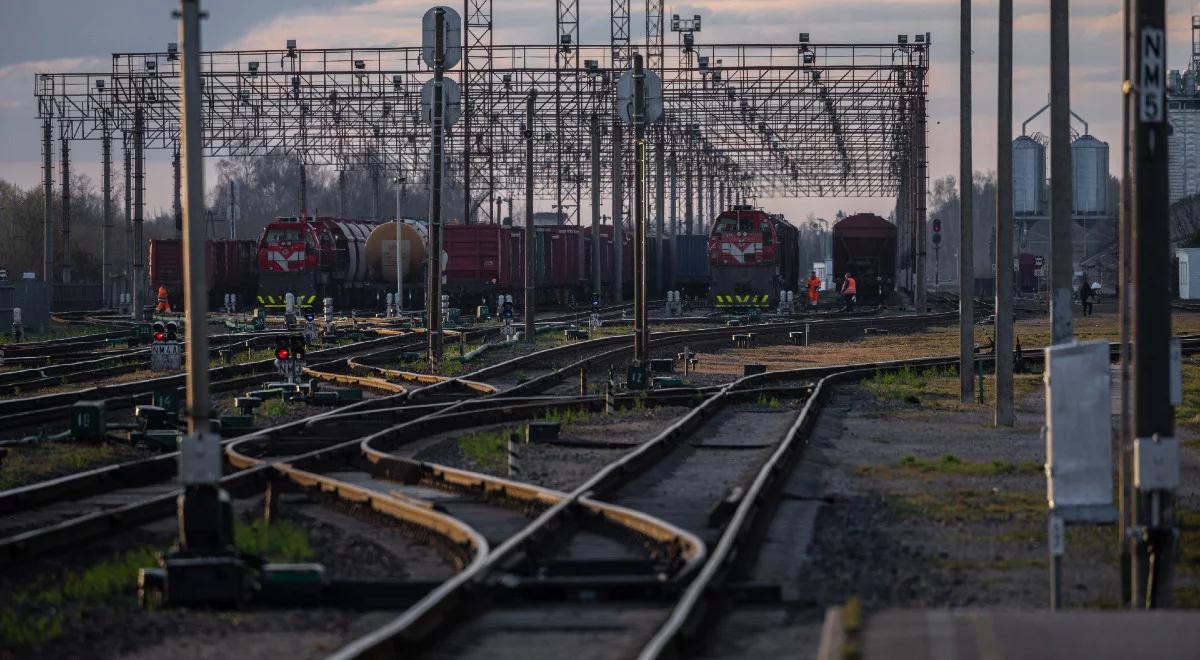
(79, 35)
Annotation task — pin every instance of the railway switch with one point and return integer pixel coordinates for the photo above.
(153, 417)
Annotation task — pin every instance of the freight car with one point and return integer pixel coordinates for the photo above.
(690, 269)
(865, 244)
(752, 256)
(231, 268)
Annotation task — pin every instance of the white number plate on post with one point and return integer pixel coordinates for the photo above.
(166, 356)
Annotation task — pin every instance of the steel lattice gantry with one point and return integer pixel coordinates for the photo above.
(766, 120)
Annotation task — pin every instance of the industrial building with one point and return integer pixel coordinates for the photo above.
(1183, 113)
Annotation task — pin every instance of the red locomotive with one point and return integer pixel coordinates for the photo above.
(752, 255)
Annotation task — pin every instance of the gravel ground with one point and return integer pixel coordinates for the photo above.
(112, 626)
(556, 466)
(911, 528)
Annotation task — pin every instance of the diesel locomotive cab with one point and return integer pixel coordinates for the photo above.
(753, 256)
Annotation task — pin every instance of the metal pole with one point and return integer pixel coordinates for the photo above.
(1153, 413)
(139, 259)
(66, 207)
(1004, 217)
(618, 211)
(595, 148)
(200, 461)
(341, 186)
(1060, 174)
(125, 144)
(966, 214)
(530, 329)
(687, 194)
(48, 207)
(659, 190)
(921, 195)
(374, 191)
(1125, 430)
(177, 202)
(638, 116)
(674, 194)
(303, 191)
(701, 218)
(399, 255)
(434, 288)
(106, 239)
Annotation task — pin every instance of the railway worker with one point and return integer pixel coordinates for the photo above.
(849, 291)
(164, 304)
(1085, 295)
(814, 288)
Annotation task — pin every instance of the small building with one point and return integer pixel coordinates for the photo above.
(1189, 273)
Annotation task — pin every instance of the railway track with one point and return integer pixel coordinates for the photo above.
(77, 503)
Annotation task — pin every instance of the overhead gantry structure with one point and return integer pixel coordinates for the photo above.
(741, 121)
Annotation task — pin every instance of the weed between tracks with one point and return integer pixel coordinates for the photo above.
(56, 603)
(487, 449)
(26, 464)
(949, 464)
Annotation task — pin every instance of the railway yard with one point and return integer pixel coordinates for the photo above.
(660, 353)
(847, 471)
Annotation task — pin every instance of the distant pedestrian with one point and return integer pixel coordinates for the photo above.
(814, 288)
(1085, 296)
(849, 291)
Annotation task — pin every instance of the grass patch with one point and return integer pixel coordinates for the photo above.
(904, 385)
(39, 614)
(568, 416)
(951, 464)
(974, 506)
(274, 408)
(26, 464)
(487, 449)
(521, 377)
(1188, 414)
(765, 401)
(279, 540)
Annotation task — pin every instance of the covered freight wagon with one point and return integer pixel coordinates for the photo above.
(483, 260)
(865, 244)
(230, 268)
(690, 271)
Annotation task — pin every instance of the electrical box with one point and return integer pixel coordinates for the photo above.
(1078, 429)
(88, 421)
(168, 399)
(1156, 463)
(635, 378)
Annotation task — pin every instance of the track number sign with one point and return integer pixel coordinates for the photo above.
(1151, 78)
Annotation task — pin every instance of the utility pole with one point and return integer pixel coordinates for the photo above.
(659, 192)
(966, 217)
(618, 211)
(399, 181)
(687, 193)
(303, 191)
(530, 321)
(434, 287)
(66, 207)
(106, 240)
(177, 201)
(1060, 174)
(1153, 406)
(201, 524)
(641, 335)
(48, 207)
(139, 190)
(920, 200)
(1124, 300)
(1004, 216)
(595, 144)
(128, 169)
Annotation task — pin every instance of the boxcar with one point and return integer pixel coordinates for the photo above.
(865, 244)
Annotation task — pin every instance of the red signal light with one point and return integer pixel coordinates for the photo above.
(282, 353)
(158, 336)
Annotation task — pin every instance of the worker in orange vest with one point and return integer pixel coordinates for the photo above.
(164, 304)
(849, 291)
(814, 287)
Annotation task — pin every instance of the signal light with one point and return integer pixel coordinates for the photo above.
(296, 345)
(159, 331)
(158, 336)
(172, 331)
(282, 353)
(937, 225)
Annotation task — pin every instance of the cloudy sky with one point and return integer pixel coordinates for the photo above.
(78, 35)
